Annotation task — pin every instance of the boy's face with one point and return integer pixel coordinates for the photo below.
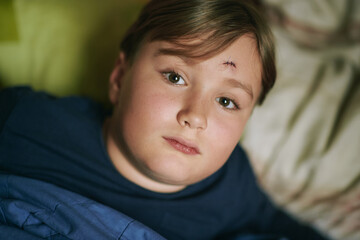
(176, 120)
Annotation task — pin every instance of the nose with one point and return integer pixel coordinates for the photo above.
(193, 114)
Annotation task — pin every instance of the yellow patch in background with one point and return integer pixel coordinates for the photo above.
(8, 27)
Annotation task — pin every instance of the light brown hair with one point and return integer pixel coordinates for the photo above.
(216, 23)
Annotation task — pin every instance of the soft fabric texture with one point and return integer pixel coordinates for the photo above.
(304, 140)
(32, 209)
(60, 141)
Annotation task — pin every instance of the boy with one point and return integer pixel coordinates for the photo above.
(186, 81)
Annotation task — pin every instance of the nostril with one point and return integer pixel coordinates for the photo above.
(192, 118)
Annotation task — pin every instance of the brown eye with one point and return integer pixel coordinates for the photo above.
(174, 78)
(227, 103)
(224, 102)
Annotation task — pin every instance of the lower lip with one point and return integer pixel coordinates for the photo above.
(181, 147)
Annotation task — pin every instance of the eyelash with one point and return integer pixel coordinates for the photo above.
(166, 75)
(236, 105)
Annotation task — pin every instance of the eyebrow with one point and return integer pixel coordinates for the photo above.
(172, 52)
(238, 84)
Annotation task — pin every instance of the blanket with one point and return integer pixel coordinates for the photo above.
(31, 209)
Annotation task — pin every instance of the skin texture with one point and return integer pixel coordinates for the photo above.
(165, 135)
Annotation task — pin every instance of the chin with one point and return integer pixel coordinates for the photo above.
(174, 174)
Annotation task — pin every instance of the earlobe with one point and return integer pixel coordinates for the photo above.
(116, 78)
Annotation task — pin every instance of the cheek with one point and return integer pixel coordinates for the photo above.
(223, 138)
(148, 110)
(229, 130)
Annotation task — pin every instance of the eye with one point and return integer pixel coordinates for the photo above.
(227, 103)
(174, 78)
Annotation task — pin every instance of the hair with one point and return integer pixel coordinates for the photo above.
(216, 23)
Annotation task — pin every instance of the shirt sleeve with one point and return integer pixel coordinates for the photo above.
(9, 97)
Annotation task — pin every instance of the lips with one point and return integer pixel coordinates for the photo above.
(183, 146)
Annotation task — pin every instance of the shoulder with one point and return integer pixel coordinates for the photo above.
(28, 101)
(9, 98)
(28, 111)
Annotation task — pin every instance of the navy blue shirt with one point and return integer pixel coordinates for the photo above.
(59, 140)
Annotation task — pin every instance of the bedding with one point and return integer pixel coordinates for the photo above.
(304, 141)
(32, 209)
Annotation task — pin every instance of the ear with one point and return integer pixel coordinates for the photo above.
(116, 78)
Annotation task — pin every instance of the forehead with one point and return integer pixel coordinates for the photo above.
(199, 48)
